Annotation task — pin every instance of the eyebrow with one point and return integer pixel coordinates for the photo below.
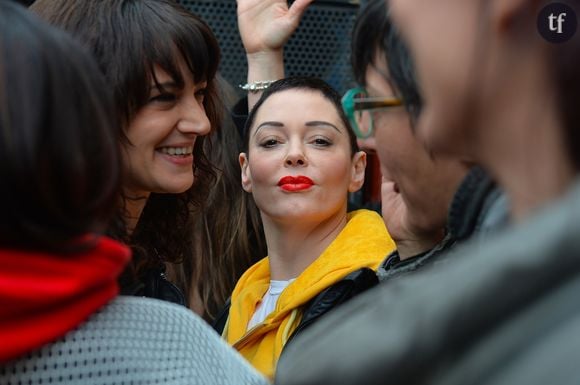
(268, 123)
(314, 123)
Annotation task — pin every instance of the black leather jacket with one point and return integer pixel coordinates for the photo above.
(154, 285)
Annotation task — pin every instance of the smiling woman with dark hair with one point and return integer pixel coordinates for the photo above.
(160, 62)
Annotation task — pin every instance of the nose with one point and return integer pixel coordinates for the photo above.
(367, 144)
(295, 156)
(192, 118)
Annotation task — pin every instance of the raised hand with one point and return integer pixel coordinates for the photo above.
(266, 25)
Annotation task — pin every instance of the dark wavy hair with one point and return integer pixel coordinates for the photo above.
(128, 38)
(228, 232)
(302, 83)
(59, 153)
(374, 33)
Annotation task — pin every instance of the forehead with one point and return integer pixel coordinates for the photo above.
(297, 105)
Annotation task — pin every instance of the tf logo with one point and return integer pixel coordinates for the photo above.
(557, 22)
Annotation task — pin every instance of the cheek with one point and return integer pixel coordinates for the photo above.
(335, 173)
(394, 140)
(138, 133)
(261, 171)
(149, 128)
(133, 152)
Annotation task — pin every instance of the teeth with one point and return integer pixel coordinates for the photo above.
(177, 150)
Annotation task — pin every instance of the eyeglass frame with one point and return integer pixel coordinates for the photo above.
(350, 105)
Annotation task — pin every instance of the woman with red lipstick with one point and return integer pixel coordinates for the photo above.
(300, 167)
(160, 61)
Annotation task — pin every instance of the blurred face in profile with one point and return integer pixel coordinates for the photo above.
(441, 35)
(416, 187)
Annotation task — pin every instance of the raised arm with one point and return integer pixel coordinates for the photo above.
(265, 26)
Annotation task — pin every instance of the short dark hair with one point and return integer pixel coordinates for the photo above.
(374, 33)
(59, 153)
(303, 83)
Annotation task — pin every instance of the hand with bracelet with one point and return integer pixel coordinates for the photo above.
(265, 26)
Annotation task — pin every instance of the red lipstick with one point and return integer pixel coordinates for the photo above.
(295, 183)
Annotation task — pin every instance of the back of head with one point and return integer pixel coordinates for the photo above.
(374, 34)
(58, 148)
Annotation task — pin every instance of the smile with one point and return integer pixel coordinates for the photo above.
(178, 156)
(295, 183)
(177, 151)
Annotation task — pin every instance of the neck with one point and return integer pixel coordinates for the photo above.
(134, 204)
(292, 247)
(526, 151)
(412, 247)
(536, 171)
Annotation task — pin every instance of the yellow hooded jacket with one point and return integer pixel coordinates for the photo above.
(363, 242)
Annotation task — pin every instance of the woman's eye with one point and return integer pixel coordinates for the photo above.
(163, 98)
(200, 94)
(268, 143)
(322, 142)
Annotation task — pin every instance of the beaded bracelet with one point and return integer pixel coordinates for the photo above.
(256, 86)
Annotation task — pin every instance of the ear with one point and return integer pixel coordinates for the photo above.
(357, 174)
(246, 175)
(505, 13)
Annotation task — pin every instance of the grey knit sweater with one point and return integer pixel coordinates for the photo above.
(135, 341)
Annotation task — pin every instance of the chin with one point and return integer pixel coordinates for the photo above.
(300, 215)
(175, 188)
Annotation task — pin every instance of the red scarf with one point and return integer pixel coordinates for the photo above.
(43, 295)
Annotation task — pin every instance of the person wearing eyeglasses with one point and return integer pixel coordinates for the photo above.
(430, 204)
(505, 311)
(417, 186)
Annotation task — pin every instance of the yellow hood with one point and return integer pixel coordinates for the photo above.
(363, 242)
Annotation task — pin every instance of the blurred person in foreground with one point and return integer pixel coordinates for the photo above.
(503, 313)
